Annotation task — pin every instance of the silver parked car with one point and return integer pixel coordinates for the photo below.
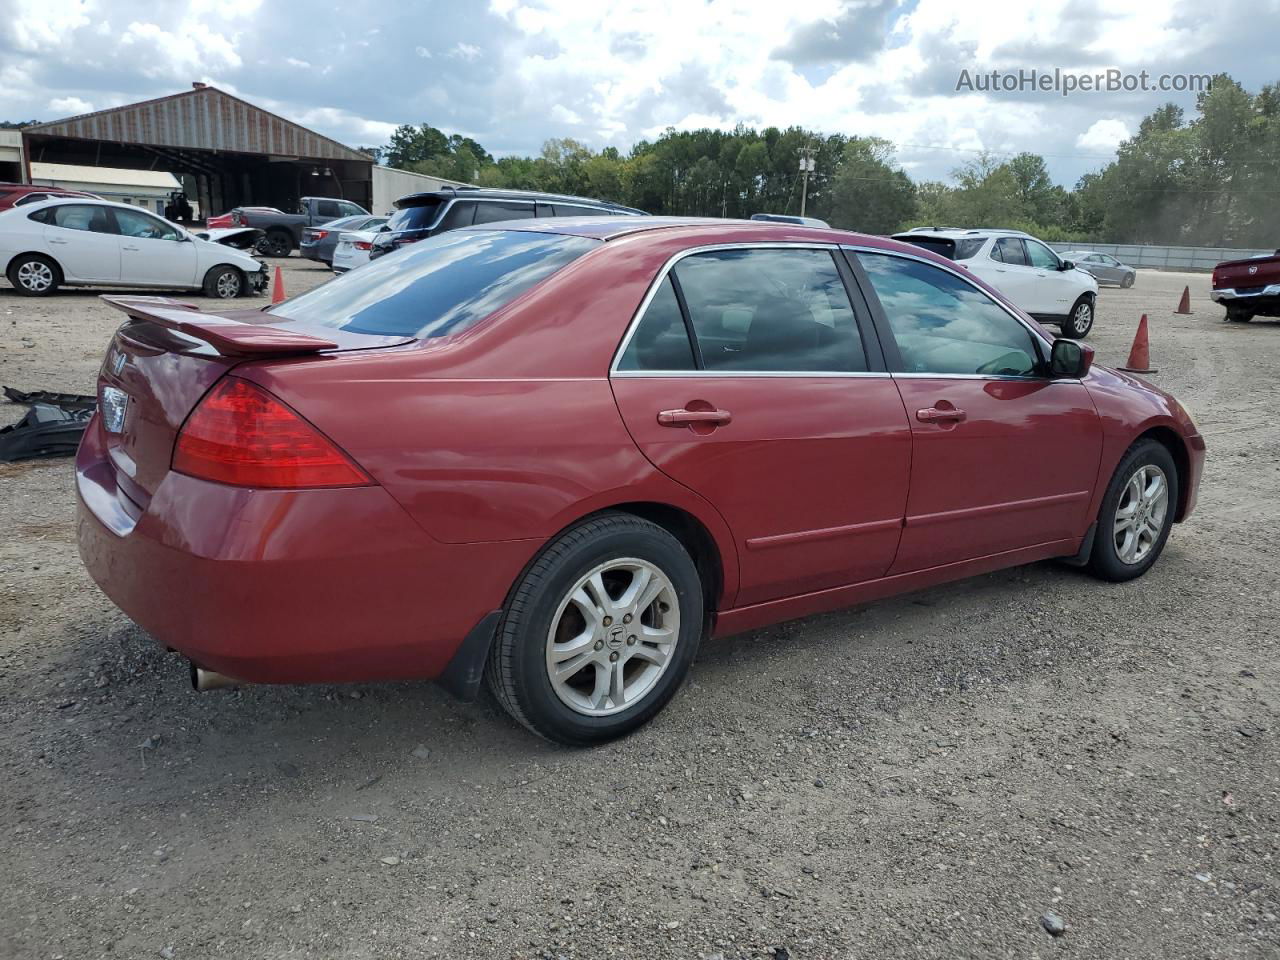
(1104, 267)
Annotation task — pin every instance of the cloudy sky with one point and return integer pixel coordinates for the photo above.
(512, 73)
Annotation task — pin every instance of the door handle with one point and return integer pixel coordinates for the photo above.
(934, 415)
(681, 418)
(58, 242)
(134, 249)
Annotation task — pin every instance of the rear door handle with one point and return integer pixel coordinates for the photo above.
(59, 242)
(134, 249)
(680, 418)
(933, 415)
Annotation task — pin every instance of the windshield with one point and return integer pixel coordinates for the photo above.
(436, 287)
(418, 217)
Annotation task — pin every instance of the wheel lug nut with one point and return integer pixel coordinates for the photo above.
(613, 657)
(631, 640)
(608, 621)
(627, 618)
(599, 644)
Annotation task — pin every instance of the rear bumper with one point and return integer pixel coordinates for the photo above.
(1227, 294)
(303, 586)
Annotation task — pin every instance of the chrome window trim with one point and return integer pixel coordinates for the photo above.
(709, 248)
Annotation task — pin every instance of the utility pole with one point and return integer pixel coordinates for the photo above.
(807, 166)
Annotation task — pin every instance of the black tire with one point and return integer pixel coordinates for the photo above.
(517, 668)
(1080, 320)
(34, 275)
(224, 283)
(1238, 316)
(1105, 561)
(277, 243)
(1127, 282)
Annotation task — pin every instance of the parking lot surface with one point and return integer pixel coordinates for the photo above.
(927, 776)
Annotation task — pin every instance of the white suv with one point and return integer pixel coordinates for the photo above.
(1022, 268)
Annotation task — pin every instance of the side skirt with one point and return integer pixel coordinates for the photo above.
(775, 611)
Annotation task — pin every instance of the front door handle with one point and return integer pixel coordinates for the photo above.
(133, 249)
(57, 241)
(681, 418)
(934, 415)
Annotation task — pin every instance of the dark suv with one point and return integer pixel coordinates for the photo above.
(422, 215)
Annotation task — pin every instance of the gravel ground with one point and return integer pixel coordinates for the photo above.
(930, 776)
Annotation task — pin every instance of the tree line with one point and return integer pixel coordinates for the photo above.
(1209, 179)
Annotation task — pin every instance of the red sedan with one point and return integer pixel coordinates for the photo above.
(557, 454)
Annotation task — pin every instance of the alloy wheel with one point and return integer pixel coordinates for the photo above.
(1140, 514)
(228, 285)
(612, 637)
(1082, 319)
(35, 276)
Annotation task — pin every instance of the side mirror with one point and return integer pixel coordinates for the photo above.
(1070, 358)
(1067, 265)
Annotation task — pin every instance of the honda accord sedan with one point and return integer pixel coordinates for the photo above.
(555, 455)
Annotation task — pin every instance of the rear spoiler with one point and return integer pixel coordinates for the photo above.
(229, 337)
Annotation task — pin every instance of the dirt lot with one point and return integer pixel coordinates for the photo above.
(923, 777)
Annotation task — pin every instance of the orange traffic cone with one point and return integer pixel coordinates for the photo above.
(277, 288)
(1140, 354)
(1184, 305)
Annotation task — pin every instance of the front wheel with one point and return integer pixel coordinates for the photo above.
(1127, 282)
(1137, 513)
(223, 283)
(34, 276)
(599, 633)
(1080, 321)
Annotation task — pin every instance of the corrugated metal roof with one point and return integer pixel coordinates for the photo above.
(72, 173)
(201, 119)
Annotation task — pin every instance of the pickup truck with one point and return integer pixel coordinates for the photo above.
(283, 231)
(1248, 288)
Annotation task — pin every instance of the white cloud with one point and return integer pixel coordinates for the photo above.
(295, 62)
(70, 106)
(562, 114)
(1103, 136)
(465, 51)
(422, 52)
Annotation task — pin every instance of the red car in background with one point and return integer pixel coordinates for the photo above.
(1248, 288)
(20, 194)
(557, 454)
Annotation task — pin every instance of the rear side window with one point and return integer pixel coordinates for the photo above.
(437, 287)
(770, 310)
(327, 208)
(80, 216)
(1009, 250)
(417, 217)
(491, 212)
(568, 210)
(661, 341)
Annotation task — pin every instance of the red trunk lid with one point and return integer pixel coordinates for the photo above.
(167, 356)
(1255, 272)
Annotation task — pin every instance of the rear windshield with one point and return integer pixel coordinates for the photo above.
(438, 286)
(417, 217)
(963, 249)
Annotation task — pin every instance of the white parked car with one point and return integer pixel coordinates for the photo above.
(97, 243)
(352, 249)
(1021, 267)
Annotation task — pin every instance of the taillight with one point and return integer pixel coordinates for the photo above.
(363, 245)
(402, 241)
(319, 234)
(1215, 277)
(241, 435)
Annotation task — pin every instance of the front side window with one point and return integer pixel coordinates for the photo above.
(436, 287)
(661, 340)
(770, 310)
(350, 209)
(460, 214)
(143, 226)
(1040, 255)
(945, 325)
(78, 216)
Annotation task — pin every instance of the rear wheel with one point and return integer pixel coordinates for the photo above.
(34, 275)
(599, 632)
(223, 283)
(1237, 315)
(277, 244)
(1137, 513)
(1080, 321)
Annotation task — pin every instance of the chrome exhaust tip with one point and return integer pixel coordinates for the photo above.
(204, 680)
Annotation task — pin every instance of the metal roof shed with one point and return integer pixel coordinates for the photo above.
(236, 153)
